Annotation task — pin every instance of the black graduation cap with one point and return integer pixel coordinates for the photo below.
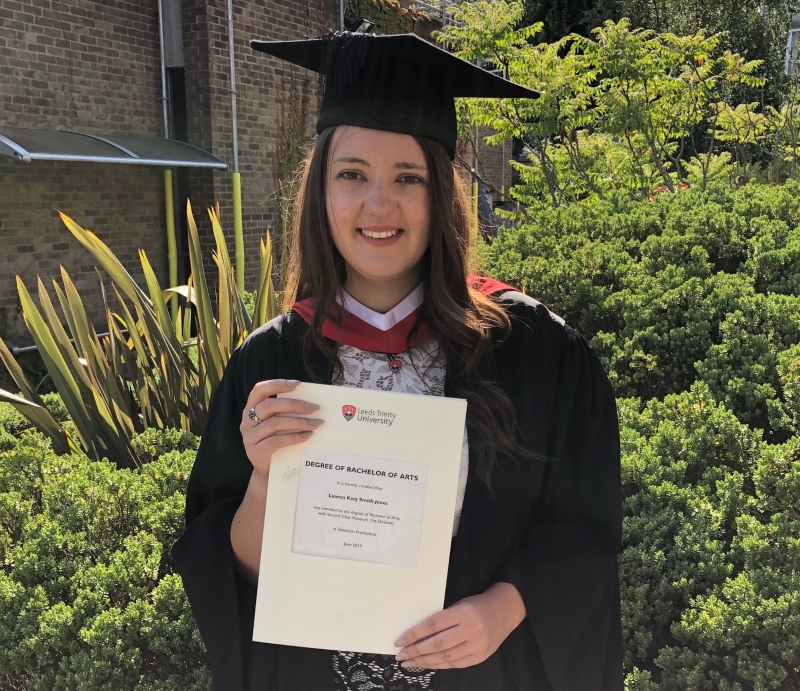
(400, 83)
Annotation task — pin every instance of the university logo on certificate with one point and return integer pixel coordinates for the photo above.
(359, 520)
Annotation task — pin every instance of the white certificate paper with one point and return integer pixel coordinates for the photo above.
(361, 508)
(359, 520)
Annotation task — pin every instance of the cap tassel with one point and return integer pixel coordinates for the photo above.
(342, 58)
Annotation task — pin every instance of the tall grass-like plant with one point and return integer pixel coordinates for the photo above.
(151, 370)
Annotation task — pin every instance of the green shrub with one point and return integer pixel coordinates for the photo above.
(88, 599)
(249, 299)
(745, 633)
(701, 285)
(774, 257)
(710, 570)
(122, 384)
(693, 303)
(742, 369)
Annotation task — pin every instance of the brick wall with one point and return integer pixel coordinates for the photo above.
(493, 164)
(92, 67)
(123, 205)
(263, 108)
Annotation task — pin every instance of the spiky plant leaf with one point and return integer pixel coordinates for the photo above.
(42, 419)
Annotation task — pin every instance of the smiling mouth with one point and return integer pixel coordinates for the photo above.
(382, 235)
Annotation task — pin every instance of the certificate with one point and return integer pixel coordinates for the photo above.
(359, 520)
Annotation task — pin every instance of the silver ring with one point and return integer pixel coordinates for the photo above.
(252, 415)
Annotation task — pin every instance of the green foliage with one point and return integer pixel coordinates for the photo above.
(627, 110)
(564, 17)
(33, 368)
(742, 369)
(678, 524)
(693, 302)
(13, 422)
(249, 299)
(88, 599)
(754, 28)
(157, 374)
(710, 571)
(701, 285)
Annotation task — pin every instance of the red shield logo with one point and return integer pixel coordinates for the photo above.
(349, 412)
(395, 365)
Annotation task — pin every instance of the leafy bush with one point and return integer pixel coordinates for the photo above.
(693, 302)
(701, 285)
(710, 571)
(626, 109)
(88, 599)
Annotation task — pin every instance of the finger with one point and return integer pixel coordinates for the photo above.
(280, 406)
(269, 387)
(292, 409)
(260, 454)
(447, 656)
(446, 640)
(278, 425)
(444, 619)
(466, 661)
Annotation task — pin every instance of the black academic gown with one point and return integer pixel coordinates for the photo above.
(553, 529)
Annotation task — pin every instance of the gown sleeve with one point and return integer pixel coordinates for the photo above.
(565, 564)
(203, 555)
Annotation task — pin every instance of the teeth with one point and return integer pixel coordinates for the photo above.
(380, 236)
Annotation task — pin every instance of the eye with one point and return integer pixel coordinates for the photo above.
(349, 175)
(411, 179)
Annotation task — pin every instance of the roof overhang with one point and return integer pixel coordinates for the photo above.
(51, 145)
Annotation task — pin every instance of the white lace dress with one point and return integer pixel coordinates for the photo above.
(420, 370)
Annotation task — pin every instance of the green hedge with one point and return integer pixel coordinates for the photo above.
(710, 570)
(88, 599)
(702, 285)
(693, 302)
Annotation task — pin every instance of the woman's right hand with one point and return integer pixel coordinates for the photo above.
(279, 424)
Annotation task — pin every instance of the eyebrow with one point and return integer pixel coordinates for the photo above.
(403, 165)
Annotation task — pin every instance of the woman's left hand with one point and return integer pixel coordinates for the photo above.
(465, 633)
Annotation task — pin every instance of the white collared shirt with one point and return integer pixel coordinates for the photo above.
(387, 320)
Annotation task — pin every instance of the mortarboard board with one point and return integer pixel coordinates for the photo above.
(400, 83)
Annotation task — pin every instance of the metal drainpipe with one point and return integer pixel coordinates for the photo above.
(169, 202)
(237, 183)
(475, 189)
(503, 164)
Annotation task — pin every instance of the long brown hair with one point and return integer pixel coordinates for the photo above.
(464, 321)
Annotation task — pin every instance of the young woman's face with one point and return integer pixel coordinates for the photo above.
(378, 206)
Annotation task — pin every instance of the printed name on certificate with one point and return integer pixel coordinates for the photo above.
(360, 508)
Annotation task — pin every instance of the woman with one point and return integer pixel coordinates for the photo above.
(381, 299)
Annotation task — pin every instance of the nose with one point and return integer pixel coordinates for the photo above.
(378, 199)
